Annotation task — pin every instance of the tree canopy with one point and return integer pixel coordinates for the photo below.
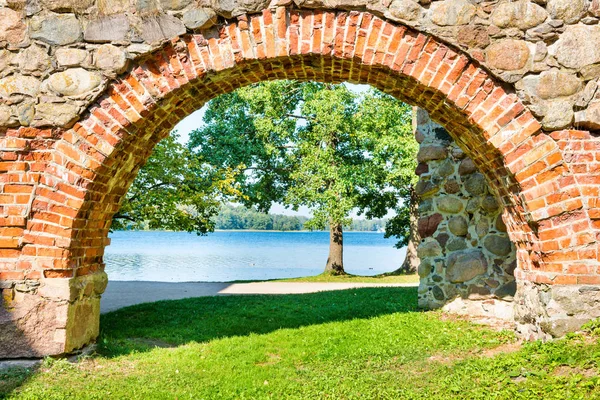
(267, 128)
(175, 190)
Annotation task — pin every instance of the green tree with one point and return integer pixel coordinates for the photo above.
(175, 190)
(309, 144)
(394, 151)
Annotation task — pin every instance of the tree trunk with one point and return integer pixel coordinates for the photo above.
(411, 261)
(335, 261)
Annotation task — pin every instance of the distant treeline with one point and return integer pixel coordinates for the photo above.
(240, 217)
(244, 218)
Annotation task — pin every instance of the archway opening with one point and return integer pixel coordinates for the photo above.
(266, 136)
(328, 151)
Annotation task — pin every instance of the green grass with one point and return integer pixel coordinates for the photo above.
(364, 343)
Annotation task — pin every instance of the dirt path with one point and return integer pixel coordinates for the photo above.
(120, 294)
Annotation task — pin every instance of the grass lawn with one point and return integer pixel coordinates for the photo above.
(364, 343)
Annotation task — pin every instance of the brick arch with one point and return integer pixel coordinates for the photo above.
(92, 165)
(522, 164)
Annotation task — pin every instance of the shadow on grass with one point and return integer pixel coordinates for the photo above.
(175, 322)
(12, 378)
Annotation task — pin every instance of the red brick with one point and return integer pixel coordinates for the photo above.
(58, 273)
(11, 275)
(588, 280)
(565, 280)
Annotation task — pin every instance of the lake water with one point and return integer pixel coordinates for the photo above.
(241, 255)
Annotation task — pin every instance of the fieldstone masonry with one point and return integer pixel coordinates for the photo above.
(88, 87)
(465, 250)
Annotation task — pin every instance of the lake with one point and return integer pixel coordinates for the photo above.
(241, 255)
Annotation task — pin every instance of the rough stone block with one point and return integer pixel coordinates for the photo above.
(55, 320)
(466, 265)
(58, 29)
(12, 27)
(74, 82)
(113, 28)
(452, 12)
(199, 18)
(161, 27)
(19, 84)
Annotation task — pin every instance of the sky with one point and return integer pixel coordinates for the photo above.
(194, 121)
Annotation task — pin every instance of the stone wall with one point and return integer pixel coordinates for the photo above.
(464, 251)
(57, 56)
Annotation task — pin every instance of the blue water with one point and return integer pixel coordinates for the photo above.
(240, 255)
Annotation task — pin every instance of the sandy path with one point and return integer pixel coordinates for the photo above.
(120, 294)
